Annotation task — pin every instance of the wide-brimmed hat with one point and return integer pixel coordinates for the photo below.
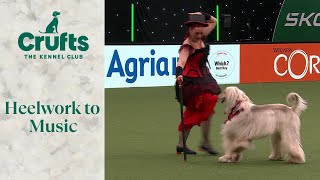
(196, 19)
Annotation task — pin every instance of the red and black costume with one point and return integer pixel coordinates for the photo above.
(199, 88)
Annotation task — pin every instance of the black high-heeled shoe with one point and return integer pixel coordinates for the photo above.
(208, 149)
(188, 151)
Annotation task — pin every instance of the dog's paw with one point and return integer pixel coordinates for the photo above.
(295, 162)
(222, 159)
(236, 157)
(273, 157)
(225, 159)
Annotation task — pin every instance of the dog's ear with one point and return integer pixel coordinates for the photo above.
(231, 95)
(244, 97)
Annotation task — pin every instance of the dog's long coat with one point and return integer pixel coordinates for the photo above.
(279, 121)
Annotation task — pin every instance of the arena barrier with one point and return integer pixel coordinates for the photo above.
(154, 65)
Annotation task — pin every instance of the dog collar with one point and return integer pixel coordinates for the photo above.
(235, 110)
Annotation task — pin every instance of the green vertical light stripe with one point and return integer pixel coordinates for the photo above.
(217, 26)
(132, 22)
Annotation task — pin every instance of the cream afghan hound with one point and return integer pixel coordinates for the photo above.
(247, 121)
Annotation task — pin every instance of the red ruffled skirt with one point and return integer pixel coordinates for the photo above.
(198, 108)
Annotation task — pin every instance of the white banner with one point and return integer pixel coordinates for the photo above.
(154, 65)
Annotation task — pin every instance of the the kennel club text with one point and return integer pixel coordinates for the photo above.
(38, 108)
(53, 56)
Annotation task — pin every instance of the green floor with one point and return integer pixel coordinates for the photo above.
(141, 135)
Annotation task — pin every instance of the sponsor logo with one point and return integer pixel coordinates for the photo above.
(300, 19)
(223, 64)
(303, 20)
(134, 67)
(311, 64)
(280, 62)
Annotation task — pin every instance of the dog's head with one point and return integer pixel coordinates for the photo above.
(231, 95)
(55, 13)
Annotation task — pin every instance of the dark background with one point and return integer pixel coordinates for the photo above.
(161, 22)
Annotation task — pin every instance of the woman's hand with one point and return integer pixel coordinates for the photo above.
(179, 79)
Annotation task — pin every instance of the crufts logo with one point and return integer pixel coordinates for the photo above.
(52, 27)
(311, 62)
(52, 40)
(294, 19)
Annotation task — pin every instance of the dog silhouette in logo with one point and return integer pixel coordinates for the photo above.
(53, 25)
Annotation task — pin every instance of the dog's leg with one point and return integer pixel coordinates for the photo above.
(239, 147)
(225, 158)
(233, 156)
(233, 150)
(227, 146)
(276, 143)
(236, 156)
(290, 143)
(296, 155)
(56, 27)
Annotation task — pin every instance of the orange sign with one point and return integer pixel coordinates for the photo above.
(279, 62)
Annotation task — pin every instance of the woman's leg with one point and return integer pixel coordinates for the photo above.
(179, 147)
(207, 110)
(180, 141)
(205, 144)
(188, 124)
(205, 131)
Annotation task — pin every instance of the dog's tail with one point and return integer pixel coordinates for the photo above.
(296, 102)
(41, 32)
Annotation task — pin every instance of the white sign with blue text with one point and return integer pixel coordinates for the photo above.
(154, 65)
